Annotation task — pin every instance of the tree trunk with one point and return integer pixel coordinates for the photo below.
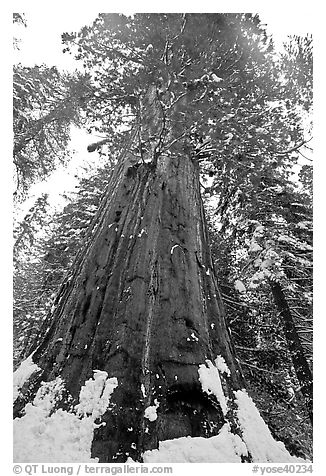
(142, 304)
(301, 366)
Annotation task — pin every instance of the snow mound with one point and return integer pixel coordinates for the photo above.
(226, 447)
(59, 438)
(223, 448)
(43, 435)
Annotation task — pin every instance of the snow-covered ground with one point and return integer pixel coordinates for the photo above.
(42, 435)
(46, 433)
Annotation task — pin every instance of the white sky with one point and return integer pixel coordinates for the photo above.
(49, 49)
(41, 40)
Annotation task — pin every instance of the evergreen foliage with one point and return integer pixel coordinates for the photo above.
(45, 104)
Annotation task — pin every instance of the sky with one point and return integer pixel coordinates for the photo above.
(49, 49)
(41, 40)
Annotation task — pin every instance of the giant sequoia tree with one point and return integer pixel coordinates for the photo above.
(140, 305)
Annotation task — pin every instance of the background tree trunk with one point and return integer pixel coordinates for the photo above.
(300, 364)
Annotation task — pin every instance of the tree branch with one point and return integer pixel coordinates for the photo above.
(293, 149)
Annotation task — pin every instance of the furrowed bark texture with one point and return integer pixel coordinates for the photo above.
(142, 304)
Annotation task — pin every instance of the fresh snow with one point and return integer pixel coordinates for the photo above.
(222, 366)
(47, 434)
(193, 337)
(211, 383)
(150, 412)
(256, 434)
(216, 78)
(95, 395)
(23, 373)
(223, 448)
(239, 286)
(303, 225)
(44, 435)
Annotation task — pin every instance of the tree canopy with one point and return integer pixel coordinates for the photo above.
(216, 66)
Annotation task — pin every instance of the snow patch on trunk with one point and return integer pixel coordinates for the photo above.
(256, 434)
(150, 412)
(26, 369)
(95, 395)
(222, 366)
(211, 383)
(44, 435)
